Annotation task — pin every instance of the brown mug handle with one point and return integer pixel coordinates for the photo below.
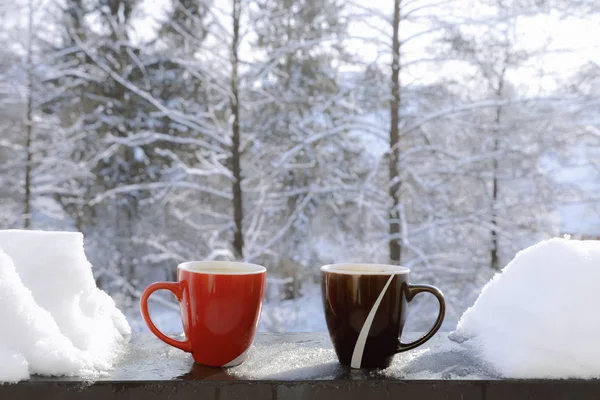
(411, 292)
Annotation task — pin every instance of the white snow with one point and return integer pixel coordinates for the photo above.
(287, 360)
(439, 358)
(55, 321)
(13, 366)
(311, 358)
(539, 317)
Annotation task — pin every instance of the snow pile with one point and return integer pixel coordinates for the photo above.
(539, 317)
(54, 320)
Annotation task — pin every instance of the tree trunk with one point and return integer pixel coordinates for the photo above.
(28, 162)
(28, 123)
(494, 259)
(238, 211)
(494, 221)
(394, 189)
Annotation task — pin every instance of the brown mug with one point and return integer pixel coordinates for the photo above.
(365, 309)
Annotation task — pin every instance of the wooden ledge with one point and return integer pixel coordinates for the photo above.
(297, 366)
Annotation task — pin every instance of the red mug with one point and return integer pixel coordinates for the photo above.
(220, 304)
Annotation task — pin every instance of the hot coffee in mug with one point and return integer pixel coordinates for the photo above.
(220, 306)
(365, 309)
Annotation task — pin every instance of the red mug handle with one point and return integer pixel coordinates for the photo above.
(174, 287)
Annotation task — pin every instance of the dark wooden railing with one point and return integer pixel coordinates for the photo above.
(296, 366)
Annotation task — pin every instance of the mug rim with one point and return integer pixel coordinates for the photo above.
(365, 269)
(228, 267)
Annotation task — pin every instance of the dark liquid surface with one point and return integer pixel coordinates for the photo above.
(348, 300)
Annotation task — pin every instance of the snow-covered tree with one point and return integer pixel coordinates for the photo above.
(301, 119)
(400, 108)
(33, 143)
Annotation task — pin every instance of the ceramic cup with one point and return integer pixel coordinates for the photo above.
(365, 309)
(220, 306)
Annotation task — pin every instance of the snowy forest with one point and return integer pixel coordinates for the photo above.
(443, 135)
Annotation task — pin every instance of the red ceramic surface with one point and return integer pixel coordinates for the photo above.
(220, 307)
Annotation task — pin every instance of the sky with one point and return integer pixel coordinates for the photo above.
(580, 36)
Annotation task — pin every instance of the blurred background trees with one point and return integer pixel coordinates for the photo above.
(441, 135)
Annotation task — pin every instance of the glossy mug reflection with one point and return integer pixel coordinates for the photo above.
(365, 309)
(220, 306)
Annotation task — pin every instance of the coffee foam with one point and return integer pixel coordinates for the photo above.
(365, 269)
(222, 268)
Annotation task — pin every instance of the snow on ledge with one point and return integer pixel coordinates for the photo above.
(54, 320)
(539, 317)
